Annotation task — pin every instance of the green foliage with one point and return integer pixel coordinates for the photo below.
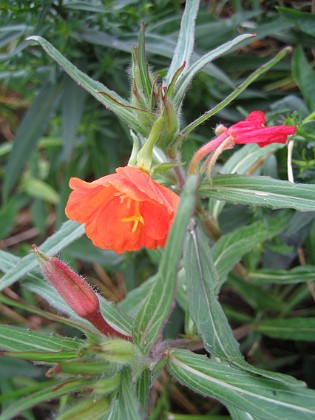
(227, 307)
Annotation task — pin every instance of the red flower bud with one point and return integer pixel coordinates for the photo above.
(75, 291)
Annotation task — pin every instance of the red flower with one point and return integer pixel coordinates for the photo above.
(250, 130)
(123, 211)
(253, 130)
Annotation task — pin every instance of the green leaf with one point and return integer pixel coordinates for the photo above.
(143, 388)
(29, 132)
(14, 367)
(295, 275)
(287, 329)
(47, 357)
(143, 66)
(155, 44)
(261, 398)
(89, 366)
(255, 296)
(73, 99)
(184, 82)
(304, 76)
(205, 310)
(39, 189)
(18, 339)
(260, 191)
(156, 308)
(239, 163)
(185, 42)
(125, 405)
(85, 409)
(230, 248)
(221, 105)
(137, 297)
(50, 391)
(237, 414)
(106, 96)
(302, 20)
(8, 213)
(68, 232)
(244, 158)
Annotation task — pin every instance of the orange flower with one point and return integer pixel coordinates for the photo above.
(123, 211)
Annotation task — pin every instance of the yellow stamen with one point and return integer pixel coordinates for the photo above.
(136, 218)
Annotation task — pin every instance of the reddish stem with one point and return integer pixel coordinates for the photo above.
(96, 318)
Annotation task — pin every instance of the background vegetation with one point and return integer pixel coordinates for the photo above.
(51, 129)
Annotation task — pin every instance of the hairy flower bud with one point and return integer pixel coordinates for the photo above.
(118, 351)
(75, 291)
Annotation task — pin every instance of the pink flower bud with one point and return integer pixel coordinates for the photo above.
(75, 291)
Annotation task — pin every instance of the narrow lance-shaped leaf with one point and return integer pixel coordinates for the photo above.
(302, 329)
(202, 282)
(205, 310)
(125, 405)
(48, 357)
(230, 248)
(296, 275)
(18, 339)
(183, 83)
(262, 398)
(106, 96)
(50, 391)
(261, 70)
(143, 388)
(304, 75)
(29, 133)
(185, 42)
(72, 108)
(239, 163)
(143, 66)
(86, 408)
(68, 232)
(260, 191)
(157, 306)
(304, 21)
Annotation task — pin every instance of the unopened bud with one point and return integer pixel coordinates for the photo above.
(118, 351)
(75, 291)
(170, 125)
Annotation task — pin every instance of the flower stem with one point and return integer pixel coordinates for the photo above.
(99, 322)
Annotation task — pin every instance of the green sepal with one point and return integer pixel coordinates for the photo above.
(144, 158)
(170, 87)
(163, 167)
(135, 149)
(119, 351)
(170, 126)
(144, 73)
(82, 367)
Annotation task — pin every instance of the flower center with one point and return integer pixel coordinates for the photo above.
(136, 218)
